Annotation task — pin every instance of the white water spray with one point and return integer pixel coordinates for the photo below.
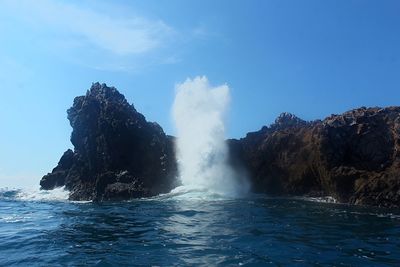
(34, 194)
(198, 113)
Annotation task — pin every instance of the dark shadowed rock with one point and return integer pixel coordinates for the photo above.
(57, 177)
(354, 157)
(117, 153)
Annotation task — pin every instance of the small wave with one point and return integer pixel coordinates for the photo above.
(58, 194)
(194, 193)
(327, 199)
(6, 193)
(15, 218)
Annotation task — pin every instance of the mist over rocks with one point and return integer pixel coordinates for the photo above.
(354, 157)
(117, 153)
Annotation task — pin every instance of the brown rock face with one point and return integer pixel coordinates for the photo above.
(353, 157)
(117, 153)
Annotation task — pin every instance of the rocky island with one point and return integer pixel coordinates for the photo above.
(117, 153)
(353, 157)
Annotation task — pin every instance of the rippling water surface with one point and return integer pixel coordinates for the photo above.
(187, 229)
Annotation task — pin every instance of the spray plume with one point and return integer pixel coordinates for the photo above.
(198, 112)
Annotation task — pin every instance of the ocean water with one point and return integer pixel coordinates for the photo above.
(193, 228)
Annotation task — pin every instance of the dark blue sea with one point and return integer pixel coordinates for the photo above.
(187, 230)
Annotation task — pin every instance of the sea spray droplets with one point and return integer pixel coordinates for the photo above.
(34, 194)
(202, 153)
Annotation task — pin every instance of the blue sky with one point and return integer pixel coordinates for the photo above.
(311, 58)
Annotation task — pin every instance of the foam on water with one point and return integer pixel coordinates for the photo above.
(327, 199)
(175, 229)
(197, 193)
(30, 194)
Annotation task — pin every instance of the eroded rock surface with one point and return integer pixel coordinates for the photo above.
(117, 153)
(353, 157)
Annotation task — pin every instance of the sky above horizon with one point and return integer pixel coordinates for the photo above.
(311, 58)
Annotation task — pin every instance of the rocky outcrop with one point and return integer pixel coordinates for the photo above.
(354, 157)
(117, 153)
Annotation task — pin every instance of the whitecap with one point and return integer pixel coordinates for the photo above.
(34, 194)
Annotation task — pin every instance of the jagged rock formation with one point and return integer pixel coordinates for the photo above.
(354, 157)
(117, 153)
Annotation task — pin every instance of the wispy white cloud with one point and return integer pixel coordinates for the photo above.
(79, 25)
(204, 31)
(200, 32)
(106, 36)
